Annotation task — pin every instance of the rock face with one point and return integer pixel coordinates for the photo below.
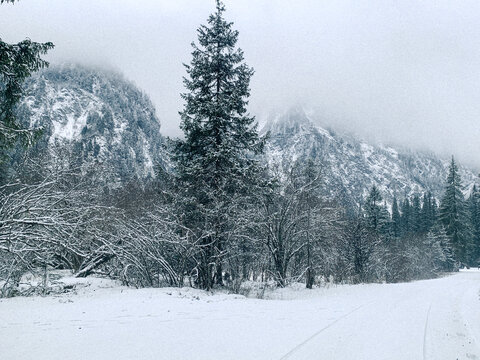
(351, 166)
(103, 118)
(99, 115)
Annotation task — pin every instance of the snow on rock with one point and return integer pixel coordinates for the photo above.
(101, 116)
(351, 166)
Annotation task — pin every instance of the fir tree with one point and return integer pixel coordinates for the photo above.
(386, 225)
(216, 160)
(415, 215)
(474, 217)
(427, 213)
(374, 212)
(396, 218)
(452, 213)
(17, 62)
(447, 260)
(406, 217)
(434, 212)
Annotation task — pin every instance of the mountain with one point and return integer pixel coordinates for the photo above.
(103, 118)
(351, 166)
(99, 116)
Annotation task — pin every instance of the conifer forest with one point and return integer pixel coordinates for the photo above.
(93, 191)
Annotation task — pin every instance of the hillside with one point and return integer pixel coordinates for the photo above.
(352, 166)
(98, 115)
(104, 118)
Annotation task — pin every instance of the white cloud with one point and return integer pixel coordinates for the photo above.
(402, 71)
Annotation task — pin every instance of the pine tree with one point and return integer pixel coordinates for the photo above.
(375, 213)
(427, 213)
(447, 260)
(434, 212)
(386, 225)
(452, 213)
(17, 62)
(396, 218)
(474, 217)
(216, 161)
(406, 217)
(415, 215)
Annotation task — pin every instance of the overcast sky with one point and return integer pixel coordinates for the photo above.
(400, 71)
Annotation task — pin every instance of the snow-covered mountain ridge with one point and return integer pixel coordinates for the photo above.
(102, 116)
(351, 166)
(107, 119)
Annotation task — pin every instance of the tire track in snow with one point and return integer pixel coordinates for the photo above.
(287, 355)
(425, 333)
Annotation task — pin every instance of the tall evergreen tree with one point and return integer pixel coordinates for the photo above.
(216, 161)
(428, 213)
(374, 213)
(406, 217)
(434, 212)
(474, 216)
(17, 62)
(452, 213)
(396, 218)
(415, 215)
(386, 225)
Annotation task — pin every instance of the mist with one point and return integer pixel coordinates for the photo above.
(399, 72)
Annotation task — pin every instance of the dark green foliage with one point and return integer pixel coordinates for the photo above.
(457, 221)
(373, 209)
(428, 213)
(17, 62)
(453, 215)
(362, 251)
(406, 217)
(219, 218)
(474, 217)
(216, 161)
(410, 245)
(415, 218)
(396, 219)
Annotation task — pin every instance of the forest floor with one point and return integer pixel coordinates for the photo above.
(433, 319)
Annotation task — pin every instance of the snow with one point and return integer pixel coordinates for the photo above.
(351, 166)
(149, 166)
(432, 319)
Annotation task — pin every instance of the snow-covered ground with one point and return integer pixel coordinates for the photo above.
(433, 319)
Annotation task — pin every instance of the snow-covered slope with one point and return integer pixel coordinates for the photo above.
(351, 166)
(99, 114)
(106, 119)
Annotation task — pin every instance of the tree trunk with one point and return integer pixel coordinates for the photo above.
(310, 278)
(219, 274)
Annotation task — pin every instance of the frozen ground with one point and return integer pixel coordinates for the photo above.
(434, 319)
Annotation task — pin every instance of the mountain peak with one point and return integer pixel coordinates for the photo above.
(291, 120)
(351, 166)
(99, 114)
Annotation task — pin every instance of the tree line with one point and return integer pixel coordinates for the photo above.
(221, 215)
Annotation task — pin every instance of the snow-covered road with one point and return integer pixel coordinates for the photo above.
(433, 319)
(436, 319)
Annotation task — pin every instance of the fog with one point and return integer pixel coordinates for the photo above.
(402, 72)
